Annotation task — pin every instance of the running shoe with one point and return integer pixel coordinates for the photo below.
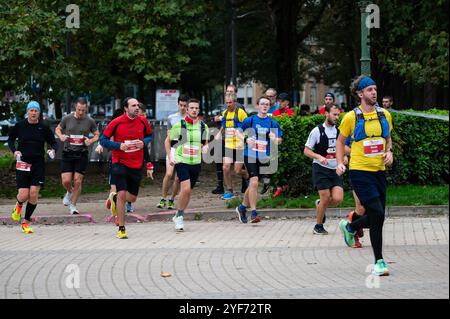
(357, 242)
(73, 209)
(241, 215)
(349, 237)
(122, 234)
(179, 226)
(67, 198)
(380, 268)
(324, 216)
(171, 204)
(108, 203)
(277, 192)
(359, 232)
(255, 218)
(319, 230)
(162, 203)
(227, 195)
(16, 213)
(218, 190)
(129, 207)
(265, 188)
(113, 200)
(26, 229)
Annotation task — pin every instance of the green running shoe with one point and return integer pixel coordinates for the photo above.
(162, 203)
(171, 204)
(349, 237)
(380, 268)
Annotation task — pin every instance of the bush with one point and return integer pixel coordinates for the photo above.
(420, 146)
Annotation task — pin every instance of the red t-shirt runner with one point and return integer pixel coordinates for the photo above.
(286, 110)
(127, 130)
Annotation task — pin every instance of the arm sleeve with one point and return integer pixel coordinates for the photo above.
(50, 139)
(12, 139)
(106, 142)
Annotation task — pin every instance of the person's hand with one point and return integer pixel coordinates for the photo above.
(87, 141)
(140, 144)
(123, 147)
(205, 149)
(217, 118)
(272, 136)
(51, 153)
(340, 169)
(323, 160)
(63, 137)
(171, 161)
(17, 154)
(388, 158)
(99, 149)
(251, 140)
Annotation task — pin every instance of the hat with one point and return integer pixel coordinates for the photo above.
(329, 94)
(283, 96)
(33, 105)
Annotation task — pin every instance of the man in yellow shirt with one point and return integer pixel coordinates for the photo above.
(370, 128)
(232, 119)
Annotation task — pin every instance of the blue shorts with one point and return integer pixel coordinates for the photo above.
(369, 185)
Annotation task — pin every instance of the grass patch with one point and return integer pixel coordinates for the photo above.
(404, 195)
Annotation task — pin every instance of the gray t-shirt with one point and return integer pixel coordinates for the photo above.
(76, 130)
(314, 138)
(174, 119)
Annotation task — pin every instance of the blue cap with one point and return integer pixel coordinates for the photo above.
(365, 82)
(329, 94)
(33, 105)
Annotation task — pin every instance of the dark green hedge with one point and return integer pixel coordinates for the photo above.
(420, 145)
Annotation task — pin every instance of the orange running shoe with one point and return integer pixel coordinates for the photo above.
(26, 229)
(277, 192)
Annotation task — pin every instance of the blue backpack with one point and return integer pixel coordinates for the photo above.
(360, 132)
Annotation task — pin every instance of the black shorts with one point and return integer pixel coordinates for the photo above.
(325, 178)
(126, 179)
(35, 177)
(186, 171)
(253, 167)
(369, 185)
(74, 162)
(236, 155)
(111, 179)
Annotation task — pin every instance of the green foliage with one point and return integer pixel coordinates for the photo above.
(420, 145)
(6, 161)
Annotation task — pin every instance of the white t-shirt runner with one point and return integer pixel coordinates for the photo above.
(314, 139)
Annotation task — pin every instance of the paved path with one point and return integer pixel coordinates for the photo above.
(225, 259)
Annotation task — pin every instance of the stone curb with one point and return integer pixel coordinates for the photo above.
(230, 214)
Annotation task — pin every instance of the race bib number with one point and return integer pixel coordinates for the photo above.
(260, 146)
(22, 166)
(230, 132)
(373, 147)
(77, 140)
(331, 153)
(131, 146)
(190, 150)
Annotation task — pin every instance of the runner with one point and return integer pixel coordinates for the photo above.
(131, 134)
(321, 147)
(328, 100)
(189, 137)
(259, 131)
(171, 121)
(272, 95)
(232, 119)
(32, 135)
(73, 131)
(370, 127)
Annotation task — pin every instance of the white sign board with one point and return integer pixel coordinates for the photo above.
(166, 103)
